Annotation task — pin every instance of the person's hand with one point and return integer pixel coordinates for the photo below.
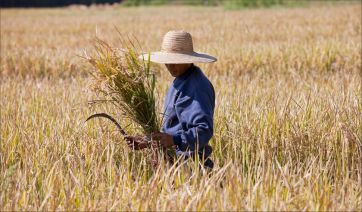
(137, 142)
(162, 139)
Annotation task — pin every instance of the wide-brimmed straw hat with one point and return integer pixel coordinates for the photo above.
(177, 48)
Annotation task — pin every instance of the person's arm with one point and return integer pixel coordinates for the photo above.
(195, 113)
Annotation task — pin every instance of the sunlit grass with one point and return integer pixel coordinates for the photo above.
(287, 120)
(125, 81)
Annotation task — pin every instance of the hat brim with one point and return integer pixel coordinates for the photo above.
(177, 58)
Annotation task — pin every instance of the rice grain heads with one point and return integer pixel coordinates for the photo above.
(126, 82)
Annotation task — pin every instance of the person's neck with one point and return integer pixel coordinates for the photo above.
(186, 71)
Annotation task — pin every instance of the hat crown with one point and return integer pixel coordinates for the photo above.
(177, 42)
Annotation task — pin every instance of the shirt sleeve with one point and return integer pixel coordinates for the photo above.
(195, 113)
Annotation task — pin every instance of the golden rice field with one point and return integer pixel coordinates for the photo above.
(288, 131)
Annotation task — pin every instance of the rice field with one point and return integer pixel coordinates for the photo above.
(288, 131)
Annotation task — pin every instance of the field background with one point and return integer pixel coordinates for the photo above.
(287, 121)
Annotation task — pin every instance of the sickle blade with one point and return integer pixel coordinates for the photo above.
(104, 115)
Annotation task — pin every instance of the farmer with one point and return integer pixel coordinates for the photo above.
(190, 101)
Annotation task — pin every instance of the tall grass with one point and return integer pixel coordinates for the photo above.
(231, 4)
(126, 82)
(287, 119)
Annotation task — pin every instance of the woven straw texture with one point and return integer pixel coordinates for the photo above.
(177, 48)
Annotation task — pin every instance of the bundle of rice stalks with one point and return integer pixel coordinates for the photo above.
(126, 82)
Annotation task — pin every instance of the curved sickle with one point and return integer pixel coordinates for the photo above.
(104, 115)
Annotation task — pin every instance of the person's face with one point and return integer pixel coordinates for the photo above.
(177, 69)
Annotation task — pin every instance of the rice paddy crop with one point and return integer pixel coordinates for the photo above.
(127, 82)
(287, 121)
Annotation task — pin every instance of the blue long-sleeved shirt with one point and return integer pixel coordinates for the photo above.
(189, 109)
